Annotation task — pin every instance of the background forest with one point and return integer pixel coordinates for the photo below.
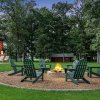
(65, 28)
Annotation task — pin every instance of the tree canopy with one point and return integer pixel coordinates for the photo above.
(46, 31)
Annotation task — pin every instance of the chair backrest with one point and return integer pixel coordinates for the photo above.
(29, 69)
(80, 69)
(12, 62)
(42, 63)
(75, 64)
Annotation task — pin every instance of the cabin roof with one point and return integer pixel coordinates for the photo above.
(63, 55)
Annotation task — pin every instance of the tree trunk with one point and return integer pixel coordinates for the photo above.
(98, 57)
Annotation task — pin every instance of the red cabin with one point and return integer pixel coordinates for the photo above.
(1, 47)
(63, 57)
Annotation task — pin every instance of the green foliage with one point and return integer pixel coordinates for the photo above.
(45, 31)
(92, 10)
(17, 12)
(61, 8)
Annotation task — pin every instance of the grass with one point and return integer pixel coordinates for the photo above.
(7, 67)
(11, 93)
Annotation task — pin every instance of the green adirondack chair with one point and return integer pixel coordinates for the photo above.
(16, 68)
(93, 71)
(78, 73)
(43, 65)
(30, 72)
(73, 66)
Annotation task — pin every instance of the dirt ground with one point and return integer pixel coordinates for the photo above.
(52, 83)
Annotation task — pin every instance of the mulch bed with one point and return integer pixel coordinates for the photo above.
(51, 83)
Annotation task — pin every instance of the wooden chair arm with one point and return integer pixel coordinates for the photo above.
(66, 69)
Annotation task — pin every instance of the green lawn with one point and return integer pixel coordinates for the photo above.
(10, 93)
(6, 67)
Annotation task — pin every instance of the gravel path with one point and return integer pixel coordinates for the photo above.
(49, 83)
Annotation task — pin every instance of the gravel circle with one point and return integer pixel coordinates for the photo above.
(49, 83)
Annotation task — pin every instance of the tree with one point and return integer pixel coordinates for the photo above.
(17, 10)
(60, 10)
(43, 33)
(92, 10)
(52, 32)
(83, 39)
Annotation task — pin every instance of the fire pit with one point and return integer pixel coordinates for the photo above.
(57, 71)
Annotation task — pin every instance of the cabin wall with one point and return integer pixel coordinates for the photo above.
(1, 47)
(60, 59)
